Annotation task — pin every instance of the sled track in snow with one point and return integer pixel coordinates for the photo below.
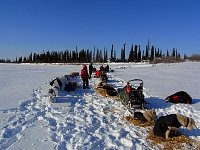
(81, 120)
(84, 125)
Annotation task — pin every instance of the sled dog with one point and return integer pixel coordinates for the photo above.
(147, 116)
(110, 91)
(179, 97)
(165, 125)
(56, 85)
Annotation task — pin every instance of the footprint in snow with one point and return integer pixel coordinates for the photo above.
(53, 124)
(10, 132)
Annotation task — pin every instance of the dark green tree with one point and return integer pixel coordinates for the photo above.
(135, 53)
(112, 54)
(152, 53)
(130, 58)
(139, 55)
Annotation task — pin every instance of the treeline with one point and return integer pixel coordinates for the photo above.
(135, 54)
(195, 57)
(5, 61)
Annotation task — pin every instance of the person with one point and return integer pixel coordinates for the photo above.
(85, 77)
(101, 68)
(98, 73)
(90, 69)
(107, 68)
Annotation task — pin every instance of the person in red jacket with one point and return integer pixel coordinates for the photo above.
(85, 77)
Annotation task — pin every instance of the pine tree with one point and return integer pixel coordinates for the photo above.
(123, 59)
(173, 53)
(105, 55)
(97, 56)
(100, 56)
(147, 53)
(130, 58)
(111, 54)
(152, 53)
(167, 54)
(94, 54)
(122, 55)
(135, 53)
(139, 55)
(114, 57)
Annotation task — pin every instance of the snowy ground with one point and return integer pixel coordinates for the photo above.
(83, 119)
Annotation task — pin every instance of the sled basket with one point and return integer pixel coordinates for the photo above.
(131, 95)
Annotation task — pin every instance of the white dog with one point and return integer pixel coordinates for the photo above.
(57, 84)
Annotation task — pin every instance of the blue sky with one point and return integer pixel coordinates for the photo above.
(35, 25)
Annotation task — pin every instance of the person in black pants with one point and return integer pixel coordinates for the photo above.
(90, 69)
(85, 77)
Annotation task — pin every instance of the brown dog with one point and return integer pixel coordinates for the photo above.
(146, 116)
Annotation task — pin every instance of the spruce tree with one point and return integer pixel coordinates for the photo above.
(130, 58)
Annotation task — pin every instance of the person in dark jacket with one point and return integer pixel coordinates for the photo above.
(90, 69)
(85, 77)
(107, 68)
(101, 68)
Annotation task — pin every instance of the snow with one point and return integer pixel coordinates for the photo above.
(83, 119)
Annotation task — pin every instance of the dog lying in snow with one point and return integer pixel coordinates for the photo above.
(179, 97)
(109, 89)
(146, 116)
(165, 125)
(57, 84)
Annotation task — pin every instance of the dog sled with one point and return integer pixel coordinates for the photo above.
(132, 95)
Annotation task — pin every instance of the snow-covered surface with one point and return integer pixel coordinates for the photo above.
(83, 119)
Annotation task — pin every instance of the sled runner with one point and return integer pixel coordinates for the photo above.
(131, 95)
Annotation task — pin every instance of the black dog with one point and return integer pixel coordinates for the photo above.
(179, 97)
(165, 125)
